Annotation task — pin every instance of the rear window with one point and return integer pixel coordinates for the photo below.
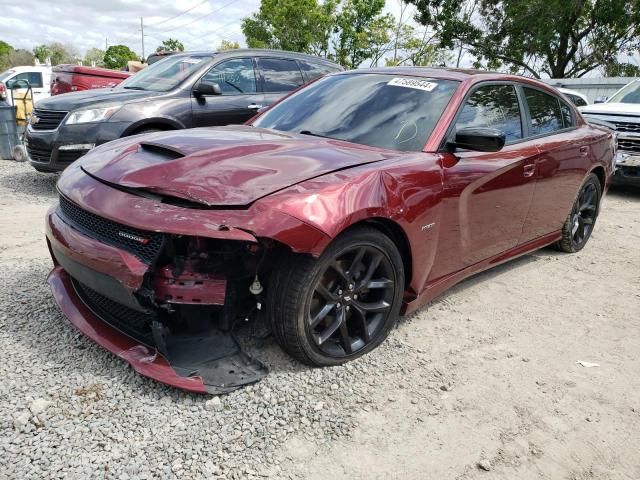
(34, 79)
(280, 74)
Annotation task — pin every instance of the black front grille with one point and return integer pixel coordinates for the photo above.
(628, 145)
(47, 119)
(133, 323)
(143, 244)
(68, 156)
(627, 127)
(39, 154)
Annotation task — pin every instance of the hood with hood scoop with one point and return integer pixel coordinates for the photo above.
(224, 166)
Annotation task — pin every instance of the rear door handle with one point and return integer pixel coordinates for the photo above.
(255, 106)
(529, 170)
(584, 151)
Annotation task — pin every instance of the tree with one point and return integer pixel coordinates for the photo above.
(5, 50)
(20, 57)
(284, 24)
(228, 45)
(57, 53)
(41, 52)
(559, 38)
(363, 32)
(170, 45)
(94, 56)
(117, 56)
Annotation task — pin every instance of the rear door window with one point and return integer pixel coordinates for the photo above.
(493, 106)
(545, 113)
(280, 74)
(235, 76)
(567, 116)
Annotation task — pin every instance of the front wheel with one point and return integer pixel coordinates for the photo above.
(333, 309)
(579, 224)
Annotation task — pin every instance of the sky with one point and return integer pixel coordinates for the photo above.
(90, 23)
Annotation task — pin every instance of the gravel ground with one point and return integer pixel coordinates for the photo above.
(481, 384)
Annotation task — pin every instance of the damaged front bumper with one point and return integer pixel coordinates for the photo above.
(110, 295)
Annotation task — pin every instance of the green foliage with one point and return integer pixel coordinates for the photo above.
(57, 52)
(117, 56)
(170, 45)
(21, 57)
(348, 31)
(5, 50)
(363, 32)
(41, 52)
(559, 38)
(94, 56)
(228, 45)
(621, 70)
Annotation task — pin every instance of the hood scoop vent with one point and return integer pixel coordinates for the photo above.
(164, 151)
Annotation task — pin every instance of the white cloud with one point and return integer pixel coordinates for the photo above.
(87, 24)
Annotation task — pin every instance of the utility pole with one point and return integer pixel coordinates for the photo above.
(142, 36)
(106, 43)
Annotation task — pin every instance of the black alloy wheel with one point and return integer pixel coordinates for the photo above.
(351, 300)
(335, 308)
(581, 220)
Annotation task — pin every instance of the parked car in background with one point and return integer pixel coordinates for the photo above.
(74, 78)
(38, 77)
(183, 90)
(577, 98)
(360, 196)
(623, 111)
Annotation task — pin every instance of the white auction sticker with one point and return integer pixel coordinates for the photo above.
(413, 83)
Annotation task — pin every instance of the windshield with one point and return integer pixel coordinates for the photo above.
(164, 75)
(387, 111)
(628, 94)
(6, 74)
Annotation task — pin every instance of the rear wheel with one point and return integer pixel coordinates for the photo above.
(579, 224)
(333, 309)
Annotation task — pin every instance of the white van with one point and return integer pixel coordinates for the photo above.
(39, 77)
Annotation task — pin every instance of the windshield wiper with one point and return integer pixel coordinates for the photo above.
(135, 88)
(312, 134)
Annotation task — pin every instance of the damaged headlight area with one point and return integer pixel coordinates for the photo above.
(194, 294)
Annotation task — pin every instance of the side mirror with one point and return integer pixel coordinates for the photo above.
(206, 88)
(601, 99)
(480, 139)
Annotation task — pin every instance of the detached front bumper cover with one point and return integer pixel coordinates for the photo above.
(212, 363)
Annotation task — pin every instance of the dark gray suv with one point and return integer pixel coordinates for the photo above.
(192, 89)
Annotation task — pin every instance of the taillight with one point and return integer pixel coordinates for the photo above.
(3, 91)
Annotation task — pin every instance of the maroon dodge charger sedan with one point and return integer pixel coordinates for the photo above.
(358, 198)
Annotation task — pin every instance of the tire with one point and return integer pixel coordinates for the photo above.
(581, 220)
(366, 310)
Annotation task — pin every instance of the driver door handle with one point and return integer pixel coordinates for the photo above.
(255, 106)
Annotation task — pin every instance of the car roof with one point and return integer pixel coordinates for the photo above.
(31, 68)
(259, 52)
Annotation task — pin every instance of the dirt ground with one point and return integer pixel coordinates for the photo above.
(505, 344)
(511, 337)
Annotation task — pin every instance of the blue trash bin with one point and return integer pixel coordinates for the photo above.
(8, 131)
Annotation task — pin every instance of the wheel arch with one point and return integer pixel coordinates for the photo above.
(602, 176)
(148, 123)
(397, 234)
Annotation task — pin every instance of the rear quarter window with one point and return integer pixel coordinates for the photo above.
(312, 70)
(544, 110)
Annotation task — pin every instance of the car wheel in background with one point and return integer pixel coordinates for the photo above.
(335, 308)
(579, 224)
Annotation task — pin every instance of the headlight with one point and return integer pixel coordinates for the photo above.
(92, 115)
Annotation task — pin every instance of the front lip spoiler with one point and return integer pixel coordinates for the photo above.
(149, 362)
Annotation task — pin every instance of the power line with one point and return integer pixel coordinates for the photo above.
(178, 15)
(199, 18)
